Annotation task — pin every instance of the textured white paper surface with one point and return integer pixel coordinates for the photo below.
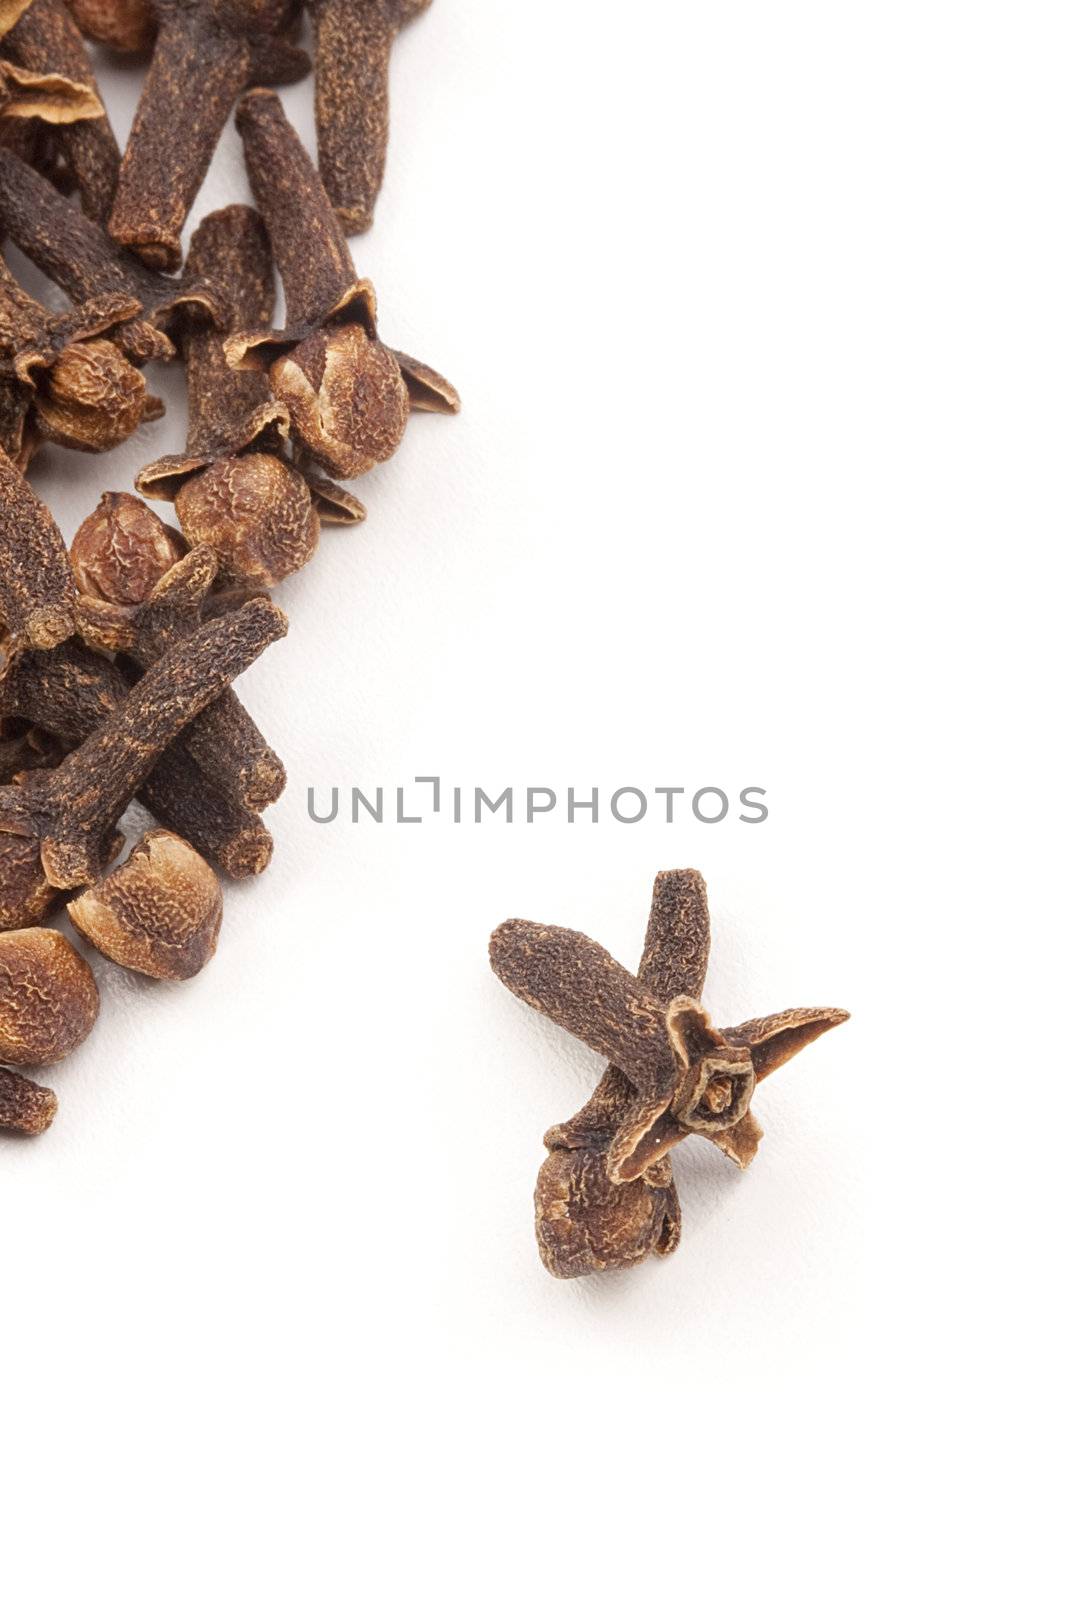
(756, 313)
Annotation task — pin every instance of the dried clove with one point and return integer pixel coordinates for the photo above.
(36, 587)
(233, 489)
(48, 997)
(121, 551)
(206, 53)
(346, 393)
(128, 26)
(79, 256)
(672, 1074)
(223, 739)
(24, 1106)
(81, 392)
(44, 96)
(353, 43)
(45, 39)
(73, 810)
(70, 691)
(159, 913)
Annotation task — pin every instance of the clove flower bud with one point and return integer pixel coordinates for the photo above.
(48, 997)
(233, 488)
(158, 913)
(346, 393)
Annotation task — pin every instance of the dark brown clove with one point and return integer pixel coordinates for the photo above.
(24, 1106)
(672, 1074)
(70, 691)
(48, 997)
(353, 44)
(73, 810)
(37, 590)
(206, 53)
(81, 392)
(45, 39)
(128, 26)
(158, 913)
(78, 255)
(224, 740)
(345, 391)
(233, 488)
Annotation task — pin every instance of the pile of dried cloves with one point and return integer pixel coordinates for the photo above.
(117, 657)
(605, 1195)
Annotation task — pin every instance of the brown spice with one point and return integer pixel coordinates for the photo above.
(206, 53)
(345, 391)
(353, 44)
(71, 690)
(159, 913)
(48, 997)
(81, 392)
(78, 255)
(233, 489)
(46, 96)
(121, 551)
(672, 1072)
(45, 39)
(223, 738)
(73, 810)
(128, 26)
(24, 1106)
(36, 587)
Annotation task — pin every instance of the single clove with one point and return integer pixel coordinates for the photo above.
(48, 997)
(72, 811)
(37, 590)
(672, 1074)
(80, 390)
(25, 1107)
(223, 739)
(45, 39)
(206, 52)
(233, 489)
(353, 44)
(347, 395)
(70, 691)
(85, 262)
(158, 913)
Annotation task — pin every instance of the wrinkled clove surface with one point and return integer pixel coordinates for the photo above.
(158, 913)
(353, 44)
(45, 39)
(73, 810)
(82, 393)
(128, 26)
(48, 997)
(36, 586)
(25, 1107)
(76, 253)
(223, 738)
(206, 52)
(672, 1074)
(232, 488)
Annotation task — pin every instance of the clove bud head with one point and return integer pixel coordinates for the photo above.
(92, 398)
(48, 997)
(586, 1223)
(255, 512)
(126, 25)
(24, 1106)
(159, 913)
(346, 397)
(121, 551)
(26, 896)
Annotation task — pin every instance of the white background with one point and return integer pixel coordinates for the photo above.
(758, 316)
